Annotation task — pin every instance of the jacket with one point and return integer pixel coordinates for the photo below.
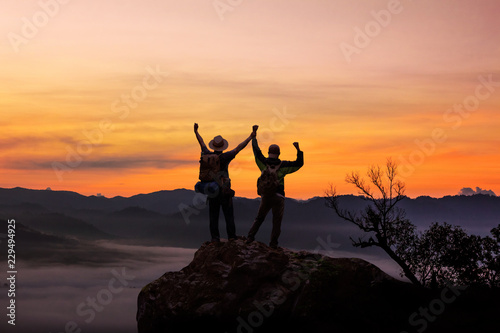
(286, 167)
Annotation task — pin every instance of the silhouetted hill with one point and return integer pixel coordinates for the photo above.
(41, 248)
(39, 218)
(134, 212)
(238, 287)
(164, 202)
(60, 201)
(130, 223)
(476, 213)
(32, 237)
(171, 218)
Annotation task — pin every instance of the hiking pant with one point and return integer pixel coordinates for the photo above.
(275, 202)
(214, 206)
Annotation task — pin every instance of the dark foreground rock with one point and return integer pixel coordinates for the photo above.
(238, 287)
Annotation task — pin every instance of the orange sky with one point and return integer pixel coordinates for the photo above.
(101, 96)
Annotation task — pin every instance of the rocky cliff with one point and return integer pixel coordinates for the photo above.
(239, 287)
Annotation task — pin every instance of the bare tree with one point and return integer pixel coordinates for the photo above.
(382, 219)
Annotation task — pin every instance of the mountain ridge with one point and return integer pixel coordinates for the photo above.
(158, 218)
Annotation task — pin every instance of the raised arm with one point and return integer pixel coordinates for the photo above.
(292, 166)
(260, 159)
(198, 136)
(247, 140)
(300, 156)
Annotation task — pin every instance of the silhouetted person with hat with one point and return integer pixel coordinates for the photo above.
(271, 187)
(224, 198)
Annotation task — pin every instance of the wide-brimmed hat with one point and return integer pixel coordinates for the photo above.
(274, 151)
(218, 143)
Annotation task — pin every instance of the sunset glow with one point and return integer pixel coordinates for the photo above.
(101, 96)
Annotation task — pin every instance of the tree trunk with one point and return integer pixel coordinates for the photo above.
(406, 270)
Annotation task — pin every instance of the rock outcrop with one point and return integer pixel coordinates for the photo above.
(239, 287)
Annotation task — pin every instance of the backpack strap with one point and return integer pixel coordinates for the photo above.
(278, 166)
(275, 167)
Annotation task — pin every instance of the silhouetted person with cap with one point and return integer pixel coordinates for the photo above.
(274, 198)
(224, 198)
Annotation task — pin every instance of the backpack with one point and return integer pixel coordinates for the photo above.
(209, 167)
(209, 188)
(268, 182)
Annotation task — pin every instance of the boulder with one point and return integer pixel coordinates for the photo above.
(246, 288)
(239, 287)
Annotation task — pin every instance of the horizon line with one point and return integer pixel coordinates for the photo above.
(250, 198)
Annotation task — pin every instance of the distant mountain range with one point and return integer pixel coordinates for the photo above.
(179, 218)
(43, 248)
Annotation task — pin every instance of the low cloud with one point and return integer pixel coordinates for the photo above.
(470, 191)
(50, 294)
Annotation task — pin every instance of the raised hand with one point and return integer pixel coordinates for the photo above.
(195, 127)
(296, 144)
(254, 133)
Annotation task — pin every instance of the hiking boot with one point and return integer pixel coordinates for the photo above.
(215, 240)
(273, 246)
(249, 240)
